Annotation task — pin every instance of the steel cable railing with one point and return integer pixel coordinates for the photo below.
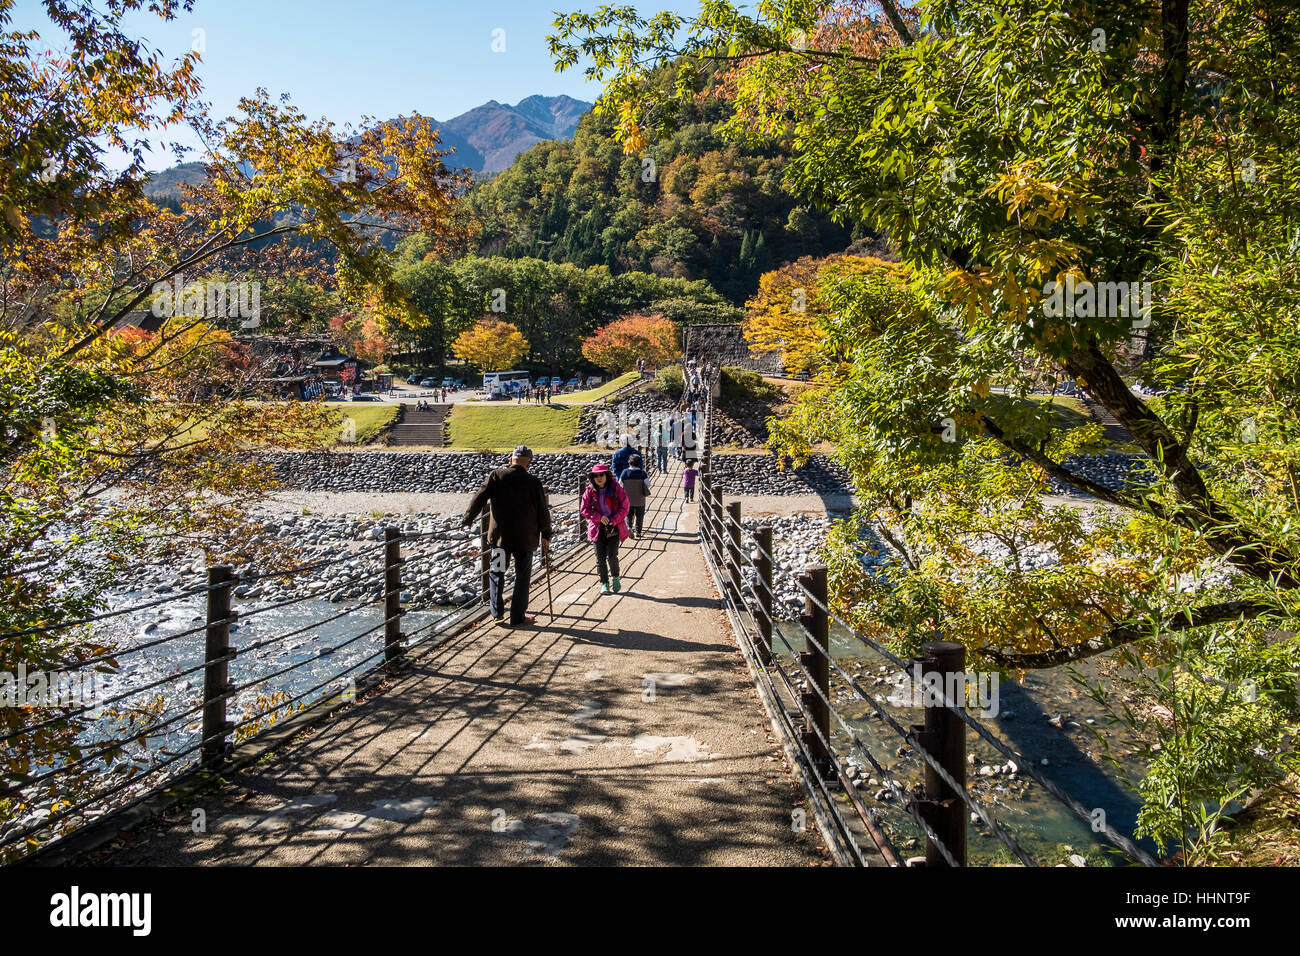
(97, 803)
(711, 527)
(241, 617)
(816, 777)
(1005, 838)
(889, 780)
(881, 839)
(1116, 839)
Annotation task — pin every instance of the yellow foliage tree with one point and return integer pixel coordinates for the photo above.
(491, 345)
(783, 314)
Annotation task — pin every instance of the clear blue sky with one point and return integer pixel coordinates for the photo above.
(379, 58)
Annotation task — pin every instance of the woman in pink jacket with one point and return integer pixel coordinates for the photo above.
(605, 506)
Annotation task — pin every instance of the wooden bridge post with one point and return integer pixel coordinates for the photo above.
(944, 737)
(582, 489)
(392, 595)
(485, 557)
(733, 553)
(818, 666)
(715, 519)
(763, 564)
(702, 487)
(216, 674)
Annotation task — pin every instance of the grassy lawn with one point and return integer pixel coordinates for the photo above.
(370, 417)
(1070, 412)
(500, 427)
(596, 394)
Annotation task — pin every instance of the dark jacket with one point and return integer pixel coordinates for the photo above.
(637, 485)
(621, 459)
(519, 511)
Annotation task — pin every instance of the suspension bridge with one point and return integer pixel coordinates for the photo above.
(688, 720)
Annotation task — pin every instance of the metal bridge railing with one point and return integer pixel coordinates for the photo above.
(744, 567)
(40, 807)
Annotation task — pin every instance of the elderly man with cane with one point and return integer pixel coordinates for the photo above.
(520, 516)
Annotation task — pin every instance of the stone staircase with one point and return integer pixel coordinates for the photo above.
(1112, 430)
(420, 427)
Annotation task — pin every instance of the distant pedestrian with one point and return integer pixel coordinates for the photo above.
(623, 457)
(520, 516)
(688, 481)
(661, 450)
(605, 506)
(636, 485)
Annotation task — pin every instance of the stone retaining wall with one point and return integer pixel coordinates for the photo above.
(453, 473)
(724, 344)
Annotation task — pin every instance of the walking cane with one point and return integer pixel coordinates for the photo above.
(550, 601)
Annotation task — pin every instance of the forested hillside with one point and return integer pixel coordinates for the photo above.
(691, 206)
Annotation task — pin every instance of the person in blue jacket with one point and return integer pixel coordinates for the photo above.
(623, 456)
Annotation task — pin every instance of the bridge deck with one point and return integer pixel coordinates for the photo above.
(532, 746)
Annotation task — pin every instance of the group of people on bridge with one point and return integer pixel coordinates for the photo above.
(612, 504)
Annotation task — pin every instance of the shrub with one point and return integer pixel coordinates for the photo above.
(742, 383)
(669, 381)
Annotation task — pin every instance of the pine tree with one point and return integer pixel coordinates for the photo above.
(746, 259)
(762, 258)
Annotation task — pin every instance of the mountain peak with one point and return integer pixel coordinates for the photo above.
(486, 139)
(500, 132)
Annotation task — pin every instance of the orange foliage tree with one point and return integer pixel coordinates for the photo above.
(491, 345)
(360, 335)
(617, 346)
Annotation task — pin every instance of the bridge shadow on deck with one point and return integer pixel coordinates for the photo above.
(438, 767)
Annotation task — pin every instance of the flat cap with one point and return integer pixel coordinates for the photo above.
(522, 451)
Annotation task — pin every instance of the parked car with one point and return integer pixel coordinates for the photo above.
(426, 383)
(412, 378)
(572, 383)
(367, 397)
(448, 383)
(593, 381)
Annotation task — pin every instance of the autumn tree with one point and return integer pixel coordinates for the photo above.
(784, 315)
(360, 335)
(1086, 193)
(491, 345)
(118, 444)
(617, 346)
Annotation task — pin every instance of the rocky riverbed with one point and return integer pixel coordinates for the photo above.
(345, 555)
(1112, 470)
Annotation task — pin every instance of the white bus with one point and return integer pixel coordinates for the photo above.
(504, 384)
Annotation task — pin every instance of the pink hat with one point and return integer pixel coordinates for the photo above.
(601, 468)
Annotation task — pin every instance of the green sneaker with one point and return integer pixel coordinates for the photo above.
(604, 588)
(616, 585)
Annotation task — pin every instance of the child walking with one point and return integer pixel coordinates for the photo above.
(688, 480)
